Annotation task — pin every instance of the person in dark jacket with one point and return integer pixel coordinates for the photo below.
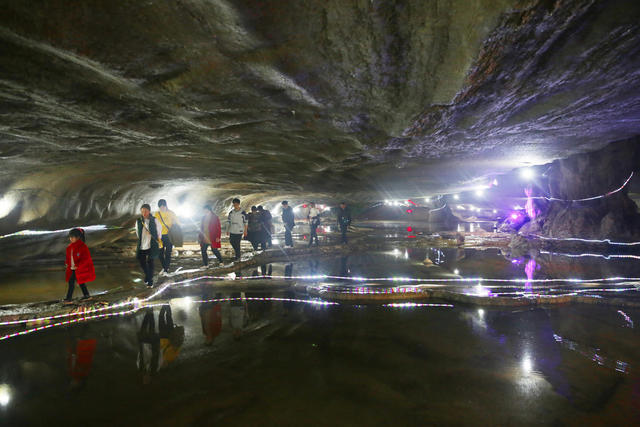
(289, 221)
(148, 248)
(79, 264)
(267, 226)
(254, 228)
(344, 220)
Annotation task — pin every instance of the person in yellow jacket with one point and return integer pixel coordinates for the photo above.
(165, 218)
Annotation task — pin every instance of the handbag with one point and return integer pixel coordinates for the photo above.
(175, 232)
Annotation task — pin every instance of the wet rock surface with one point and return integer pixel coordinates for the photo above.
(584, 176)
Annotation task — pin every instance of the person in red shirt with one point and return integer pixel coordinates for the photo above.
(209, 235)
(79, 264)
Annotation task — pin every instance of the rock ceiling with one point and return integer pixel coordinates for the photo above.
(292, 97)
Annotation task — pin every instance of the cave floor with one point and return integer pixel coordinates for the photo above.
(276, 358)
(337, 334)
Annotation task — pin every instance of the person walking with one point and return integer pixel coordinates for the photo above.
(237, 227)
(314, 221)
(289, 221)
(148, 247)
(166, 218)
(209, 235)
(267, 226)
(254, 228)
(344, 220)
(79, 265)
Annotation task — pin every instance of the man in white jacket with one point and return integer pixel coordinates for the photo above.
(236, 227)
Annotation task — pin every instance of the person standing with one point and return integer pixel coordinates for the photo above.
(166, 218)
(289, 221)
(237, 227)
(79, 265)
(148, 247)
(254, 228)
(344, 220)
(209, 235)
(314, 222)
(267, 226)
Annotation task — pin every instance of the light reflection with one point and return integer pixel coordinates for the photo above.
(527, 364)
(6, 205)
(5, 394)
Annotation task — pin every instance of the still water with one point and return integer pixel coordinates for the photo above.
(282, 360)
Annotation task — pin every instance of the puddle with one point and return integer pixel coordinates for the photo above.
(247, 358)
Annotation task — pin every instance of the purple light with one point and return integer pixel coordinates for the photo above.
(514, 216)
(529, 270)
(529, 208)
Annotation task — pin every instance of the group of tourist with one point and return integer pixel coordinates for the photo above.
(155, 238)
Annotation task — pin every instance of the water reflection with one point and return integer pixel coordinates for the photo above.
(157, 350)
(499, 359)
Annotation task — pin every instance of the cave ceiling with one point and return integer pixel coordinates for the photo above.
(328, 97)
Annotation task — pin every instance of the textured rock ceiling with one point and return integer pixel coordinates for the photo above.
(102, 99)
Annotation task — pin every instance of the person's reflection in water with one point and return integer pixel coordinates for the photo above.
(80, 358)
(238, 314)
(267, 270)
(313, 266)
(211, 320)
(288, 270)
(344, 267)
(171, 336)
(149, 347)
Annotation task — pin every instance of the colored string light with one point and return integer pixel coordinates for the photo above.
(40, 232)
(430, 282)
(555, 199)
(576, 239)
(591, 255)
(626, 318)
(139, 307)
(415, 304)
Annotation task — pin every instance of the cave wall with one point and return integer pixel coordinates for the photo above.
(584, 176)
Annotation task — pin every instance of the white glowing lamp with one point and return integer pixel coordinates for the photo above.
(527, 174)
(185, 211)
(456, 197)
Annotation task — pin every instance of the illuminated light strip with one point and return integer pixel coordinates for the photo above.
(576, 239)
(591, 255)
(415, 304)
(67, 322)
(591, 354)
(626, 318)
(39, 232)
(305, 301)
(437, 209)
(140, 307)
(587, 198)
(166, 286)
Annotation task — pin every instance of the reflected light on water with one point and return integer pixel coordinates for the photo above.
(5, 394)
(527, 364)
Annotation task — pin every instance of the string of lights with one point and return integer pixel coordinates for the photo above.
(586, 199)
(415, 304)
(430, 282)
(612, 256)
(40, 232)
(577, 239)
(141, 306)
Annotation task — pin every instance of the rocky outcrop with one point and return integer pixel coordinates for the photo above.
(584, 176)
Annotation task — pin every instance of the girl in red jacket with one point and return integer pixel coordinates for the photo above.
(79, 264)
(209, 234)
